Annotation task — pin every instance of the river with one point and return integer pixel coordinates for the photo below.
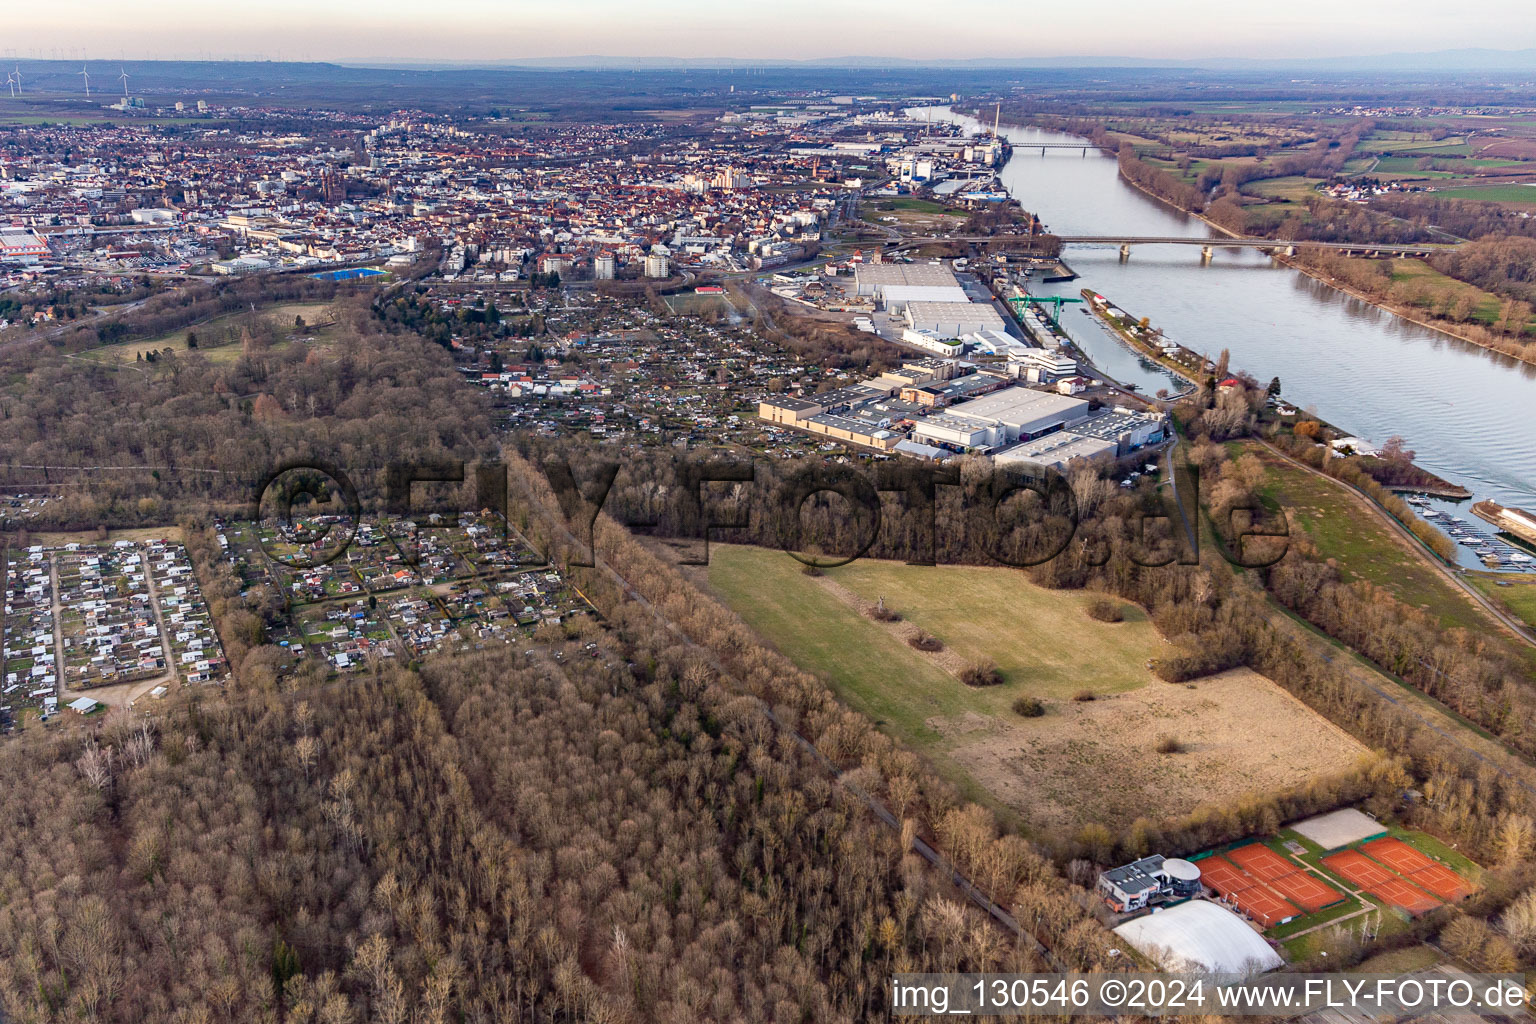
(1467, 412)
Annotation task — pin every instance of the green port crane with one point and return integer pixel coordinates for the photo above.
(1054, 301)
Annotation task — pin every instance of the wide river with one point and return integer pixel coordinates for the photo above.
(1468, 413)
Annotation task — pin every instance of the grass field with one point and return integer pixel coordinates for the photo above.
(1080, 761)
(1294, 187)
(1361, 544)
(1433, 290)
(217, 338)
(913, 205)
(1521, 195)
(1519, 597)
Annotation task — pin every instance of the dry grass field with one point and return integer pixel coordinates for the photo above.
(1097, 761)
(218, 338)
(1082, 761)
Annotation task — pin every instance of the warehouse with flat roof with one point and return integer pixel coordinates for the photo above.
(1022, 413)
(1054, 451)
(873, 278)
(896, 296)
(953, 319)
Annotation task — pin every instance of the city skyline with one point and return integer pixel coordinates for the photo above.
(481, 30)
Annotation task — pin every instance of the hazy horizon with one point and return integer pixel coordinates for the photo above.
(486, 30)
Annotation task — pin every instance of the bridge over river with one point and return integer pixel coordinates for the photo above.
(1207, 245)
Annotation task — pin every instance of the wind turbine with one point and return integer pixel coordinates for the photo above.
(11, 81)
(124, 77)
(17, 75)
(87, 76)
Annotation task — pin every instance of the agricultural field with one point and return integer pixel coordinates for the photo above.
(1518, 195)
(1077, 762)
(1294, 188)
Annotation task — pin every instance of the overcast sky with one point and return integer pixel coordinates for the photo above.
(938, 29)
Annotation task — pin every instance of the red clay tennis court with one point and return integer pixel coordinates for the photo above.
(1261, 862)
(1306, 890)
(1397, 855)
(1261, 904)
(1356, 867)
(1251, 896)
(1443, 882)
(1419, 869)
(1219, 873)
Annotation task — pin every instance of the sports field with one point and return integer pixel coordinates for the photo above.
(1354, 866)
(1082, 760)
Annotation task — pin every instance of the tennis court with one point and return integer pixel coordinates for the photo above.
(1397, 855)
(1262, 862)
(1220, 874)
(1443, 882)
(1306, 890)
(1262, 904)
(1370, 876)
(1419, 869)
(1249, 894)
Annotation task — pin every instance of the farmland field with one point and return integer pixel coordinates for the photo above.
(1080, 761)
(1519, 194)
(1293, 187)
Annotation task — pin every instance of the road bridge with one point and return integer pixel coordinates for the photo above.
(1207, 245)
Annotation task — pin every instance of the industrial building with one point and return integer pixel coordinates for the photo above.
(1015, 414)
(947, 347)
(872, 278)
(1041, 365)
(953, 319)
(791, 412)
(1127, 428)
(1110, 434)
(21, 245)
(896, 296)
(1054, 451)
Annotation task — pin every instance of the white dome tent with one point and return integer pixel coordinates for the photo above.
(1202, 937)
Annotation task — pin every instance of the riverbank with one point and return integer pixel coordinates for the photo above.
(1407, 313)
(1202, 218)
(1136, 345)
(1451, 330)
